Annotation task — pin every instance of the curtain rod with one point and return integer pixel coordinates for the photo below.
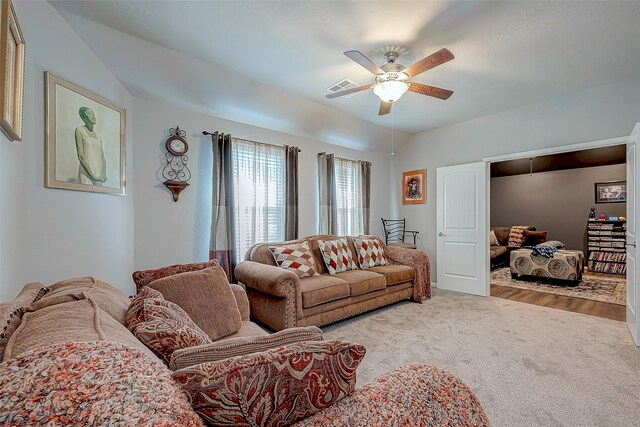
(348, 160)
(204, 132)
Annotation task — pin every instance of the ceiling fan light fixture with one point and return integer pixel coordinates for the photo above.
(390, 90)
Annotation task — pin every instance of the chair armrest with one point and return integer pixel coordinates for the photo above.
(268, 279)
(241, 300)
(232, 347)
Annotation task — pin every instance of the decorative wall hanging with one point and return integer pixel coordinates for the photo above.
(611, 192)
(176, 171)
(85, 139)
(11, 72)
(414, 187)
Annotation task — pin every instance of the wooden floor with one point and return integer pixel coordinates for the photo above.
(576, 305)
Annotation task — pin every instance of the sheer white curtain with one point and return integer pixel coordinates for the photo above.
(258, 174)
(350, 216)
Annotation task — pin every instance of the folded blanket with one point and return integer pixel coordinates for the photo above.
(547, 249)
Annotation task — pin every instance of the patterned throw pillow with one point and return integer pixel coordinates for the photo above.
(162, 325)
(370, 253)
(516, 235)
(297, 258)
(337, 255)
(272, 388)
(144, 277)
(493, 239)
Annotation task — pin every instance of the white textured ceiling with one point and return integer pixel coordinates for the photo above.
(508, 54)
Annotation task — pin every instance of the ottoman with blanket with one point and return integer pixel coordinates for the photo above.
(562, 265)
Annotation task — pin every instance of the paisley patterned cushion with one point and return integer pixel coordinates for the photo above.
(144, 277)
(90, 384)
(272, 388)
(162, 325)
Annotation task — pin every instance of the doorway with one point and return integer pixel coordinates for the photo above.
(544, 247)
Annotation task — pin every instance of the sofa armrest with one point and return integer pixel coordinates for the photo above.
(241, 300)
(241, 346)
(412, 395)
(267, 279)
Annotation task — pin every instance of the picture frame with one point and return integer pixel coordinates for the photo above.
(611, 191)
(414, 187)
(89, 157)
(12, 59)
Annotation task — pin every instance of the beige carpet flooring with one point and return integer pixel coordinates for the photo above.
(529, 365)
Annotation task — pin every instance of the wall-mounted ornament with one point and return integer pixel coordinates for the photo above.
(176, 172)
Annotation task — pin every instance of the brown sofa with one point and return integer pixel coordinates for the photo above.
(131, 377)
(500, 254)
(279, 299)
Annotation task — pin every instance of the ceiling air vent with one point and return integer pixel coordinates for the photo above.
(342, 85)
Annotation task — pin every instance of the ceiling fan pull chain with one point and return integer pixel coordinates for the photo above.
(392, 151)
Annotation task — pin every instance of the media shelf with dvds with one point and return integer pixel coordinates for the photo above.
(606, 251)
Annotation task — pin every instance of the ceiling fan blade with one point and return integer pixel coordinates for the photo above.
(436, 92)
(364, 61)
(431, 61)
(348, 91)
(385, 108)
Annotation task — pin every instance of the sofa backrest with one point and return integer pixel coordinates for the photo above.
(502, 233)
(261, 253)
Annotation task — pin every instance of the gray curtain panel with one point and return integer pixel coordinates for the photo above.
(365, 183)
(290, 192)
(223, 237)
(327, 192)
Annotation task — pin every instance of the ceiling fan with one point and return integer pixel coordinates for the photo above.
(392, 78)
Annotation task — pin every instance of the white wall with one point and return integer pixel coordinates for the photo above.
(599, 113)
(168, 232)
(50, 234)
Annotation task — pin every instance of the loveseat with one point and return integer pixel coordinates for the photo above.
(85, 369)
(280, 299)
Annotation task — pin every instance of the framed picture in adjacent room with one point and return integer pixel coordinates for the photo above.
(611, 192)
(85, 139)
(11, 72)
(414, 187)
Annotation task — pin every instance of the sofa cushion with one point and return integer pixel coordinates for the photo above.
(533, 238)
(79, 321)
(233, 347)
(108, 298)
(395, 273)
(516, 235)
(337, 255)
(324, 288)
(362, 282)
(493, 239)
(295, 257)
(273, 388)
(496, 251)
(144, 277)
(206, 297)
(248, 329)
(370, 252)
(91, 384)
(161, 325)
(11, 311)
(502, 234)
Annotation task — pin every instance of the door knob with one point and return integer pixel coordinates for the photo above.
(441, 234)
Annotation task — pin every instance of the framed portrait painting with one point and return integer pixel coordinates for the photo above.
(611, 192)
(11, 72)
(414, 187)
(85, 139)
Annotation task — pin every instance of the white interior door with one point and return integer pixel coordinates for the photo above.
(632, 220)
(462, 258)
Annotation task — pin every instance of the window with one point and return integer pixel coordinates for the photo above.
(258, 174)
(349, 218)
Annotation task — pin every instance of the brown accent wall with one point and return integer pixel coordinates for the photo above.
(557, 201)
